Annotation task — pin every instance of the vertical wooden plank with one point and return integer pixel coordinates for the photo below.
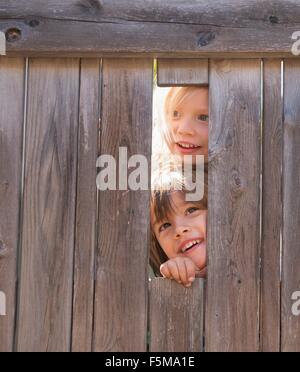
(11, 123)
(272, 207)
(171, 72)
(46, 277)
(232, 321)
(291, 206)
(86, 207)
(176, 316)
(122, 261)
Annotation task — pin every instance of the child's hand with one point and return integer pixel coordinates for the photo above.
(181, 269)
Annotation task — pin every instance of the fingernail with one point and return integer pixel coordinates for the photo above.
(188, 285)
(191, 280)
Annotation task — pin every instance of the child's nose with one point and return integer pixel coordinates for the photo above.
(181, 230)
(186, 127)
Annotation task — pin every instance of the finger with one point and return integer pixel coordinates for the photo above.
(165, 272)
(191, 271)
(172, 266)
(182, 270)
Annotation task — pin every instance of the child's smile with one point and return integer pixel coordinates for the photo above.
(195, 249)
(188, 148)
(191, 245)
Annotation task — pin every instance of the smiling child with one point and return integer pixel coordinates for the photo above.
(178, 231)
(186, 111)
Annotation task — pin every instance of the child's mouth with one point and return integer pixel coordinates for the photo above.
(191, 246)
(187, 148)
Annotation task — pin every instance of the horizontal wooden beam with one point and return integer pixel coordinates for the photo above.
(157, 28)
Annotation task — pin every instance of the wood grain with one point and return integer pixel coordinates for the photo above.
(46, 273)
(172, 72)
(124, 216)
(86, 206)
(291, 207)
(12, 77)
(176, 316)
(271, 207)
(232, 322)
(99, 28)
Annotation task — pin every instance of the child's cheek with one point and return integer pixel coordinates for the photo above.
(200, 258)
(172, 131)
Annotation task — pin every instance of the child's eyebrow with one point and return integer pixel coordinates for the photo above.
(184, 204)
(199, 107)
(203, 110)
(156, 222)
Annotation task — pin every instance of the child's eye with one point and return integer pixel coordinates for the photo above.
(203, 117)
(164, 227)
(192, 210)
(176, 114)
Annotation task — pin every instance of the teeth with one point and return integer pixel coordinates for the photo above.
(186, 146)
(190, 244)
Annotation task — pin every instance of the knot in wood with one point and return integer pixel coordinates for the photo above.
(13, 34)
(205, 38)
(3, 249)
(237, 184)
(273, 19)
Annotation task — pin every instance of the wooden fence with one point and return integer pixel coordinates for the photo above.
(74, 261)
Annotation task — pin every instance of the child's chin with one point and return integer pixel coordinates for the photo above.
(191, 159)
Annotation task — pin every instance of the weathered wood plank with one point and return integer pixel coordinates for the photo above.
(86, 206)
(94, 27)
(11, 133)
(122, 259)
(271, 207)
(220, 12)
(176, 316)
(45, 306)
(172, 72)
(232, 322)
(291, 207)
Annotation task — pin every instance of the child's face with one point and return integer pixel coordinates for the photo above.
(188, 125)
(184, 232)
